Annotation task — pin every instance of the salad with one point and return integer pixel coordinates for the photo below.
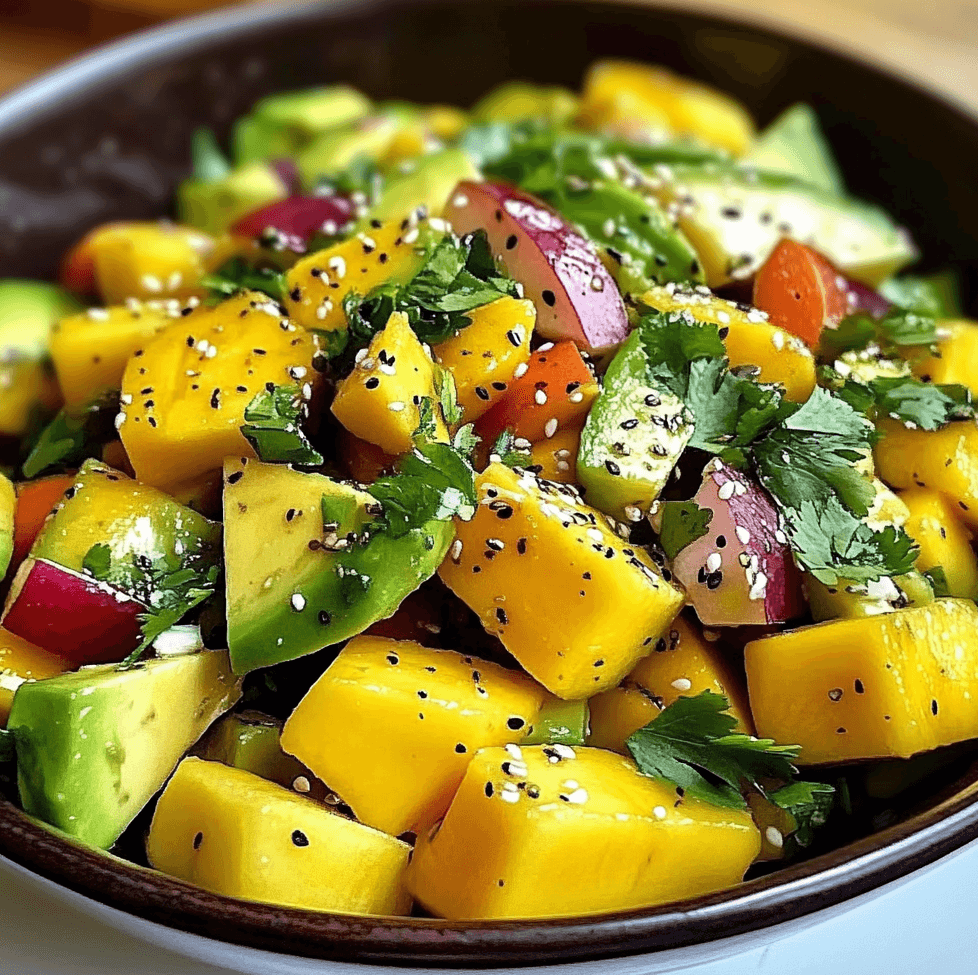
(559, 506)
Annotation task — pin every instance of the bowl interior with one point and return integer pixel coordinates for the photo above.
(108, 137)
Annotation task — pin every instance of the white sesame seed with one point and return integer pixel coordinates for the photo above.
(456, 549)
(338, 266)
(550, 428)
(151, 282)
(298, 602)
(577, 797)
(510, 796)
(725, 493)
(120, 418)
(520, 370)
(576, 396)
(411, 236)
(360, 356)
(742, 533)
(540, 397)
(713, 561)
(564, 751)
(659, 812)
(563, 466)
(460, 200)
(514, 751)
(301, 784)
(774, 837)
(682, 683)
(595, 535)
(633, 513)
(777, 340)
(396, 406)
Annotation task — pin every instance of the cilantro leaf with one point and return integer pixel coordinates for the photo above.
(926, 406)
(808, 804)
(682, 522)
(237, 275)
(692, 745)
(71, 438)
(97, 561)
(447, 396)
(508, 453)
(457, 276)
(904, 326)
(273, 427)
(898, 328)
(938, 581)
(466, 440)
(936, 294)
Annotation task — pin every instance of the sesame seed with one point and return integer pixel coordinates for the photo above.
(298, 602)
(774, 837)
(396, 406)
(659, 812)
(550, 428)
(726, 491)
(682, 684)
(540, 397)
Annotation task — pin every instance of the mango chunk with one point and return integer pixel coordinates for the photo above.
(233, 833)
(484, 356)
(576, 605)
(185, 392)
(683, 664)
(20, 663)
(317, 285)
(554, 831)
(945, 460)
(391, 726)
(934, 525)
(90, 350)
(380, 400)
(877, 687)
(751, 340)
(956, 357)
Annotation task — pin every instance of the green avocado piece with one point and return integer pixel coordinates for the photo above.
(127, 534)
(333, 152)
(560, 723)
(933, 294)
(28, 310)
(428, 184)
(794, 144)
(640, 244)
(8, 504)
(303, 570)
(519, 100)
(632, 439)
(214, 206)
(734, 217)
(94, 746)
(282, 125)
(847, 600)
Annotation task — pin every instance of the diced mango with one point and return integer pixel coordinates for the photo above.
(934, 525)
(21, 662)
(317, 285)
(149, 259)
(890, 685)
(236, 834)
(363, 460)
(484, 356)
(576, 605)
(185, 392)
(629, 96)
(944, 460)
(956, 357)
(683, 664)
(550, 830)
(379, 400)
(90, 350)
(751, 340)
(391, 726)
(27, 387)
(556, 458)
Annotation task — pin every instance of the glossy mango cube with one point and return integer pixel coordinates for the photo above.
(933, 523)
(877, 687)
(683, 664)
(955, 359)
(21, 662)
(484, 356)
(380, 400)
(576, 605)
(552, 831)
(236, 834)
(391, 726)
(185, 391)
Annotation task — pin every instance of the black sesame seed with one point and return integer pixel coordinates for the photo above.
(235, 477)
(198, 839)
(513, 338)
(482, 392)
(499, 387)
(216, 399)
(511, 241)
(423, 695)
(489, 790)
(296, 293)
(393, 659)
(549, 298)
(299, 838)
(721, 541)
(150, 420)
(521, 546)
(514, 724)
(325, 618)
(290, 514)
(933, 706)
(372, 383)
(613, 468)
(501, 615)
(629, 424)
(859, 686)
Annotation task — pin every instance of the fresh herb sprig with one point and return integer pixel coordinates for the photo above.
(73, 437)
(238, 275)
(273, 426)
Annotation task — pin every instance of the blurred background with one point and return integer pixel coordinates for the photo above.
(933, 41)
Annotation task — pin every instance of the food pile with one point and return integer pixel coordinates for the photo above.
(503, 513)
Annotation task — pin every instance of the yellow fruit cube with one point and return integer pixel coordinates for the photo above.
(185, 392)
(877, 687)
(955, 359)
(21, 662)
(391, 726)
(683, 664)
(380, 400)
(576, 605)
(90, 350)
(484, 356)
(236, 834)
(554, 831)
(934, 525)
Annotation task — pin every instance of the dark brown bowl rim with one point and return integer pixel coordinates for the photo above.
(794, 892)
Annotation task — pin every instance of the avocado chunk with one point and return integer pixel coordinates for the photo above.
(28, 310)
(794, 145)
(516, 101)
(304, 570)
(94, 746)
(429, 184)
(215, 205)
(735, 217)
(282, 125)
(854, 600)
(632, 438)
(560, 723)
(333, 152)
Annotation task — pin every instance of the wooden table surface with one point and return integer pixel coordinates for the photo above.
(933, 41)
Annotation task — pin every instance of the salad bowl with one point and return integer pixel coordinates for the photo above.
(108, 137)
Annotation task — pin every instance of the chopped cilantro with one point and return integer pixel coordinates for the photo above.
(809, 805)
(912, 401)
(682, 522)
(273, 427)
(899, 329)
(466, 440)
(938, 581)
(447, 396)
(71, 438)
(237, 275)
(692, 745)
(508, 454)
(98, 561)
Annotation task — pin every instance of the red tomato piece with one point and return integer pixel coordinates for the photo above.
(801, 291)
